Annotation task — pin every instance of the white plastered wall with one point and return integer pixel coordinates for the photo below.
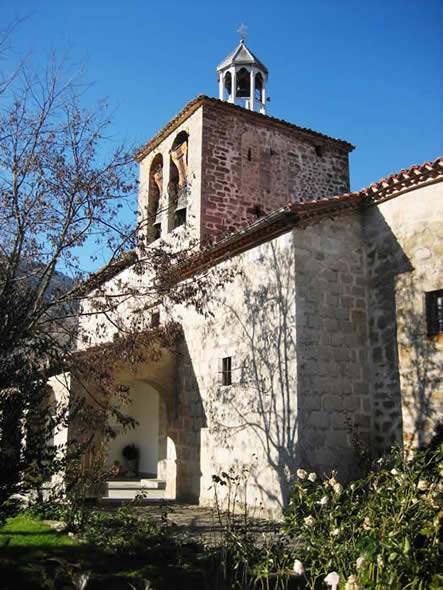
(250, 319)
(143, 404)
(60, 386)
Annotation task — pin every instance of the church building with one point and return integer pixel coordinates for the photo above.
(327, 338)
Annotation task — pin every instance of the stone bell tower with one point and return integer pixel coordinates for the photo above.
(242, 79)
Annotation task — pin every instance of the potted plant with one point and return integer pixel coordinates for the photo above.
(131, 453)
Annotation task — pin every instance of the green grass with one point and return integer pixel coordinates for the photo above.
(25, 530)
(31, 550)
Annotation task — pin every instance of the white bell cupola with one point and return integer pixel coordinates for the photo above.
(242, 79)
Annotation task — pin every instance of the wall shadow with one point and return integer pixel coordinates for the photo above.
(257, 414)
(184, 425)
(405, 363)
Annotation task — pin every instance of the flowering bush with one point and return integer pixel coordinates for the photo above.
(380, 532)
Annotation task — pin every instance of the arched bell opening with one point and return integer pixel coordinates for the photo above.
(154, 198)
(260, 93)
(259, 87)
(243, 89)
(227, 86)
(178, 181)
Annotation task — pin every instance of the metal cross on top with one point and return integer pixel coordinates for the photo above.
(243, 31)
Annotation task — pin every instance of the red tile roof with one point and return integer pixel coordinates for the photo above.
(301, 213)
(386, 188)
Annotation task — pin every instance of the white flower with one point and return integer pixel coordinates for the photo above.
(338, 488)
(312, 477)
(367, 523)
(395, 471)
(301, 474)
(422, 485)
(352, 583)
(360, 562)
(309, 521)
(324, 501)
(352, 486)
(335, 532)
(298, 568)
(332, 580)
(332, 482)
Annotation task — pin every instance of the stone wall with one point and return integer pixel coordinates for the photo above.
(404, 260)
(294, 323)
(251, 166)
(325, 327)
(251, 423)
(331, 326)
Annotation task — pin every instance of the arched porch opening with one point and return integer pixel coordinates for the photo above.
(142, 404)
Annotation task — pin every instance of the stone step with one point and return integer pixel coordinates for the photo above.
(128, 489)
(130, 494)
(130, 484)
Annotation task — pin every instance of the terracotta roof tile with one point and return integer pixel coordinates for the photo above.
(294, 214)
(281, 220)
(382, 190)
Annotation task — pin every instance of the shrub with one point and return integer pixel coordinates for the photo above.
(379, 532)
(243, 560)
(122, 530)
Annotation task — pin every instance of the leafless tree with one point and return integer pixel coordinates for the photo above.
(62, 187)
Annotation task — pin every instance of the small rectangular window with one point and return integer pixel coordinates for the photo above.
(156, 231)
(227, 370)
(180, 217)
(434, 312)
(155, 319)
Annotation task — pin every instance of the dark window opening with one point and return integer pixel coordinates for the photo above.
(249, 154)
(180, 217)
(228, 85)
(177, 186)
(155, 319)
(155, 194)
(256, 210)
(319, 150)
(243, 89)
(434, 312)
(157, 230)
(227, 370)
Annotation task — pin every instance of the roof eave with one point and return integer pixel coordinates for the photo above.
(202, 99)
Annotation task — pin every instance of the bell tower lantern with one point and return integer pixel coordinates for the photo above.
(242, 78)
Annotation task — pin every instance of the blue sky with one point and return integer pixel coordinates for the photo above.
(364, 71)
